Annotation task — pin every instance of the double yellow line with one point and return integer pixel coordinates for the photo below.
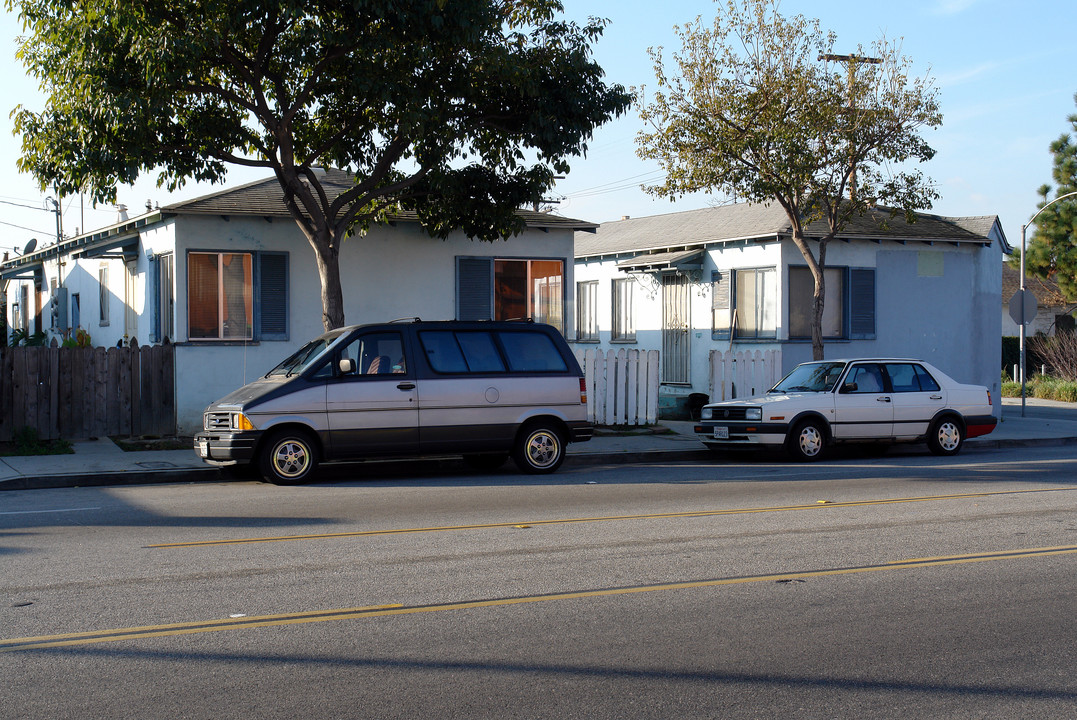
(154, 631)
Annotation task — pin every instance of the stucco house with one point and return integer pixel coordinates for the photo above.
(229, 279)
(729, 278)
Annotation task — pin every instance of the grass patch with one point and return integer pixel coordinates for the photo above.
(1043, 387)
(27, 442)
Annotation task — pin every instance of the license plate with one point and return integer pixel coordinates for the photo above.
(721, 433)
(203, 448)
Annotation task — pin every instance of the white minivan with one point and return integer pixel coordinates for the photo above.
(480, 390)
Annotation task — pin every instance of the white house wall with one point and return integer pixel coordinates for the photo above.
(935, 302)
(394, 272)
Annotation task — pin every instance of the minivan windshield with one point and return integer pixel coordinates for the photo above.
(810, 377)
(302, 358)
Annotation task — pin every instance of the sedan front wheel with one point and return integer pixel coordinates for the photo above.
(807, 441)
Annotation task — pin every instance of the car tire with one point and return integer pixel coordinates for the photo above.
(807, 441)
(485, 463)
(288, 457)
(946, 436)
(539, 449)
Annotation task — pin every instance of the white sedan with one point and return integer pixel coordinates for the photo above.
(877, 400)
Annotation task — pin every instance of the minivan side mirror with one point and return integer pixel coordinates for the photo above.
(346, 366)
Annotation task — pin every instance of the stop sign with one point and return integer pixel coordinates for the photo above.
(1026, 299)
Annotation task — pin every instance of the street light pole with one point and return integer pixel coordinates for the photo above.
(851, 61)
(1023, 319)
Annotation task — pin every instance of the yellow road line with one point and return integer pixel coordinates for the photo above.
(609, 518)
(153, 631)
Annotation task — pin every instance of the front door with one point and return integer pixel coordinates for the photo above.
(862, 407)
(373, 410)
(675, 329)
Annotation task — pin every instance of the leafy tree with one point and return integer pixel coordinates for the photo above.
(459, 111)
(1052, 250)
(763, 111)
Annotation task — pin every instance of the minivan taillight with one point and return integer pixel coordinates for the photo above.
(989, 398)
(583, 391)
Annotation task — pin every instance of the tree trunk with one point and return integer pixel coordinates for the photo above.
(817, 314)
(816, 267)
(329, 274)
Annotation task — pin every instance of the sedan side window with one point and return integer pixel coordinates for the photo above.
(903, 377)
(927, 383)
(867, 378)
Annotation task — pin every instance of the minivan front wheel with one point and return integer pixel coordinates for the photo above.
(288, 457)
(539, 449)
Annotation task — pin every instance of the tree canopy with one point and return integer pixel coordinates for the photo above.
(760, 109)
(460, 110)
(1052, 249)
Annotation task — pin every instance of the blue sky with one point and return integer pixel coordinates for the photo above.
(1005, 71)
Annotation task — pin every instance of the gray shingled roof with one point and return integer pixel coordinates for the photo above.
(264, 198)
(1047, 292)
(763, 223)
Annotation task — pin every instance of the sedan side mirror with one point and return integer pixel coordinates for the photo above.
(849, 387)
(346, 366)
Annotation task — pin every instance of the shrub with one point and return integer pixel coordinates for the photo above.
(1058, 352)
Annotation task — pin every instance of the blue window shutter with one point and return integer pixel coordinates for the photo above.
(474, 289)
(721, 288)
(862, 303)
(153, 295)
(272, 296)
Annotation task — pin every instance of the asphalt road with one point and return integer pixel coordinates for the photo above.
(900, 586)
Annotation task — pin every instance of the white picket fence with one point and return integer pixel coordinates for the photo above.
(743, 374)
(622, 386)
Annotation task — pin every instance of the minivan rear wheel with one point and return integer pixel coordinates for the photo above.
(288, 457)
(539, 449)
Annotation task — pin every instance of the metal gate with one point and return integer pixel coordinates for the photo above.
(675, 329)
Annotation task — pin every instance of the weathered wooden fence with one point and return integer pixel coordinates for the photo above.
(74, 393)
(622, 386)
(743, 374)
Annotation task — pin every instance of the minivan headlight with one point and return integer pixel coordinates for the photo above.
(753, 414)
(706, 413)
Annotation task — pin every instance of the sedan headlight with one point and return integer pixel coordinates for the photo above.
(706, 413)
(753, 414)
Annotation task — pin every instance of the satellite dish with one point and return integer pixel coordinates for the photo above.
(30, 246)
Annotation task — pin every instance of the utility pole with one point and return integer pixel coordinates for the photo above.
(851, 61)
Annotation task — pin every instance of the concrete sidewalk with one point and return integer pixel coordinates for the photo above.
(102, 462)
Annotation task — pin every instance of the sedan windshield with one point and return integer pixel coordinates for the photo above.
(810, 377)
(301, 359)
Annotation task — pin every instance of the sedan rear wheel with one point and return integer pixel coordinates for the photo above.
(946, 436)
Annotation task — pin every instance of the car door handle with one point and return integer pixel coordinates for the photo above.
(884, 398)
(406, 386)
(936, 397)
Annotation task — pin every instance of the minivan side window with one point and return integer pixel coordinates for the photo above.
(461, 352)
(379, 353)
(531, 352)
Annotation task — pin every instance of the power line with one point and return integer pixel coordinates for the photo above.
(20, 227)
(32, 207)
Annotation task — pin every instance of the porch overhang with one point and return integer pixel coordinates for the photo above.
(679, 260)
(29, 271)
(121, 248)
